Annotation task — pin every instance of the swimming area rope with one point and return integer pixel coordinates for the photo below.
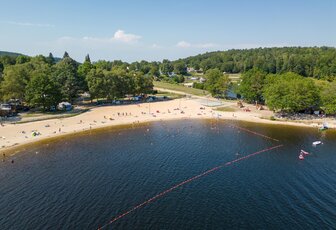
(118, 217)
(255, 133)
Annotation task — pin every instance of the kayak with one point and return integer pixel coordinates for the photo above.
(304, 152)
(317, 143)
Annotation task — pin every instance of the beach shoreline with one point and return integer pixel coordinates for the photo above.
(16, 137)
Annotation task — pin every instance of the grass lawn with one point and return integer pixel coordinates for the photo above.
(169, 95)
(226, 109)
(234, 77)
(40, 116)
(180, 88)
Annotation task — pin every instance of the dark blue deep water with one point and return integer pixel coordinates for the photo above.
(84, 181)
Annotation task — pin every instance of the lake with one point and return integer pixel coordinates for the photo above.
(85, 181)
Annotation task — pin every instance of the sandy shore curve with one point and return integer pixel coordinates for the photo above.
(16, 135)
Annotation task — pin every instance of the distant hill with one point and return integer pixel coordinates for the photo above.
(14, 55)
(11, 54)
(57, 59)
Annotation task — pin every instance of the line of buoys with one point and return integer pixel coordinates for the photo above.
(255, 133)
(185, 182)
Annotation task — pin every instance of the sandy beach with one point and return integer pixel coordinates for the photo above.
(15, 135)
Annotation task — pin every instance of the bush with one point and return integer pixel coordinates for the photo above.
(198, 85)
(178, 79)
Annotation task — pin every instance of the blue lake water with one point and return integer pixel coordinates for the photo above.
(84, 181)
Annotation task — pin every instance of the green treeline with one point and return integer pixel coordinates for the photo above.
(317, 62)
(41, 82)
(288, 79)
(288, 92)
(291, 79)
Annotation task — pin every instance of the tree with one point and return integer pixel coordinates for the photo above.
(180, 68)
(83, 71)
(101, 64)
(67, 77)
(145, 67)
(15, 80)
(216, 83)
(66, 55)
(143, 84)
(166, 67)
(8, 60)
(42, 90)
(177, 79)
(21, 59)
(154, 70)
(1, 79)
(290, 92)
(1, 73)
(51, 59)
(251, 85)
(87, 59)
(122, 83)
(37, 61)
(206, 65)
(222, 85)
(96, 83)
(328, 98)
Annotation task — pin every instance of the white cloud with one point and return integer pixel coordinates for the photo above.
(184, 44)
(125, 46)
(120, 35)
(28, 24)
(94, 42)
(156, 46)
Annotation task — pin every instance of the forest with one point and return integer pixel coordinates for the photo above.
(316, 62)
(291, 79)
(42, 82)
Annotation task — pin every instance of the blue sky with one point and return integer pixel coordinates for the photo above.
(152, 30)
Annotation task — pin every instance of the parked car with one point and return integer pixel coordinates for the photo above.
(64, 106)
(6, 110)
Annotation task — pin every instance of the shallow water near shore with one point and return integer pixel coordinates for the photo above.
(84, 181)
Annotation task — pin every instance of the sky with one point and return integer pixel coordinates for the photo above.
(134, 30)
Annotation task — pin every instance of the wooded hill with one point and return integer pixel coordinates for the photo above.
(317, 62)
(11, 54)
